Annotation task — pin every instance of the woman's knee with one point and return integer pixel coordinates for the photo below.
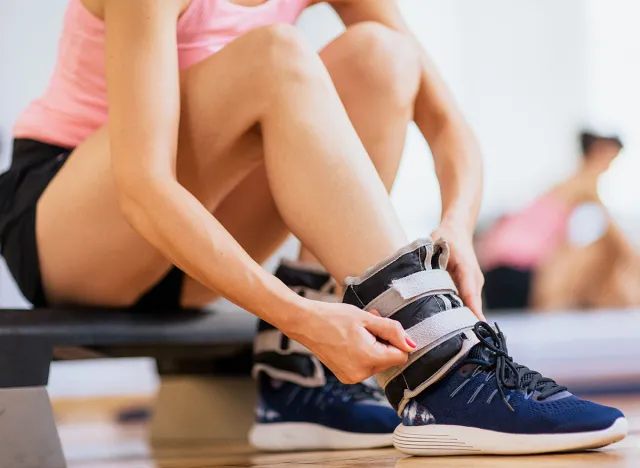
(383, 60)
(286, 56)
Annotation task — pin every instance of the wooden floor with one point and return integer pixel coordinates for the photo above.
(104, 445)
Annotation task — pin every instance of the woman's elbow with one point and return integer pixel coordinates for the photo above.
(135, 193)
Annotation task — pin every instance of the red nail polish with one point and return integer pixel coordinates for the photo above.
(410, 342)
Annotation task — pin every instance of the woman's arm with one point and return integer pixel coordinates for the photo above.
(144, 109)
(456, 153)
(455, 150)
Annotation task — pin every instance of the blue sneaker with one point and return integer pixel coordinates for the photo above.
(460, 392)
(488, 404)
(330, 417)
(301, 404)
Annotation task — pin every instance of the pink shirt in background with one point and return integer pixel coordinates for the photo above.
(522, 240)
(74, 104)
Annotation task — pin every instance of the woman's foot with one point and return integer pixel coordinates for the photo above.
(489, 404)
(333, 416)
(460, 392)
(301, 404)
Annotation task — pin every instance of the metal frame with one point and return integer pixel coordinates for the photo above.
(28, 434)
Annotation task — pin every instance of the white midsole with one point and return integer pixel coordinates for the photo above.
(436, 440)
(308, 436)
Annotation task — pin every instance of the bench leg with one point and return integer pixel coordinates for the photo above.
(28, 434)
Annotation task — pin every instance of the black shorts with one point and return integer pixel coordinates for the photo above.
(34, 166)
(507, 287)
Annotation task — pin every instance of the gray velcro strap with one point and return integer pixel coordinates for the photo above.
(409, 394)
(406, 290)
(271, 341)
(318, 379)
(430, 333)
(447, 323)
(428, 280)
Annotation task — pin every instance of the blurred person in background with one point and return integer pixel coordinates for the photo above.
(564, 251)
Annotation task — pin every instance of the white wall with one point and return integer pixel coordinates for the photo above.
(29, 32)
(28, 40)
(525, 92)
(614, 74)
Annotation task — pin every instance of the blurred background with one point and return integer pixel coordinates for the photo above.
(529, 76)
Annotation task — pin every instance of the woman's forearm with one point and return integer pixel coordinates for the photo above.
(455, 150)
(458, 166)
(181, 228)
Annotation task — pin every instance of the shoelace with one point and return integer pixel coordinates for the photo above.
(509, 374)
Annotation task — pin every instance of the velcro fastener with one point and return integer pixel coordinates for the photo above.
(271, 341)
(430, 333)
(284, 359)
(423, 369)
(418, 283)
(406, 290)
(431, 330)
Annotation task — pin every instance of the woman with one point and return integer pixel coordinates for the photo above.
(217, 107)
(564, 251)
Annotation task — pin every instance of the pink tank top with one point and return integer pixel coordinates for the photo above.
(74, 105)
(522, 240)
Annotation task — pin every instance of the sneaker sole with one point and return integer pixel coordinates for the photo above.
(279, 437)
(439, 440)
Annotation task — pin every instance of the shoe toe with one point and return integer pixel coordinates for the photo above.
(576, 415)
(596, 419)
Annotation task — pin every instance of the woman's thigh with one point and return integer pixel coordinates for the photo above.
(88, 252)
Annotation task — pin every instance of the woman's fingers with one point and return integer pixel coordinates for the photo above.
(475, 304)
(471, 293)
(392, 332)
(388, 356)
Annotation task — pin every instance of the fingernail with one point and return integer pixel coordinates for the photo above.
(410, 342)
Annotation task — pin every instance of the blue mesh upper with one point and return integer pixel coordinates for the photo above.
(563, 413)
(331, 406)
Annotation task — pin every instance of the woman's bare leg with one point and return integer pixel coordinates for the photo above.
(251, 217)
(376, 73)
(312, 156)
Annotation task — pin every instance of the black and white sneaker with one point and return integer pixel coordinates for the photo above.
(301, 404)
(461, 393)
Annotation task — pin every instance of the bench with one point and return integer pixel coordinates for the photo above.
(182, 342)
(601, 357)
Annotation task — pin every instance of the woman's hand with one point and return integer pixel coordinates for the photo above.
(353, 343)
(463, 266)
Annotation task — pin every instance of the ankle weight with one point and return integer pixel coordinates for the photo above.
(414, 288)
